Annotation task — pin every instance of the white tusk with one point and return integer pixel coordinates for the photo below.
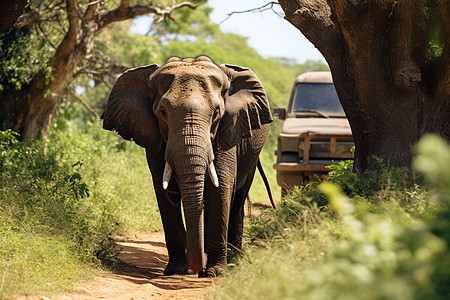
(213, 174)
(166, 175)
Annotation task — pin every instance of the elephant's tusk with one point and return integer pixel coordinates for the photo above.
(166, 175)
(213, 174)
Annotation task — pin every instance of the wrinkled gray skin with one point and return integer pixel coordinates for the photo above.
(190, 113)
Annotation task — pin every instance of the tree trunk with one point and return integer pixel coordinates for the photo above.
(391, 90)
(37, 113)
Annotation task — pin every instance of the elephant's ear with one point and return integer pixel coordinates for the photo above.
(246, 106)
(129, 109)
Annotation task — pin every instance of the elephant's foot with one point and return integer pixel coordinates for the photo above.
(177, 267)
(213, 271)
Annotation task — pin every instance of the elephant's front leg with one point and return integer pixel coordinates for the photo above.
(169, 203)
(217, 212)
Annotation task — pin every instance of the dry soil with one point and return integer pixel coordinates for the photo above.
(140, 275)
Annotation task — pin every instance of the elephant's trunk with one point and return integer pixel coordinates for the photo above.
(192, 197)
(191, 154)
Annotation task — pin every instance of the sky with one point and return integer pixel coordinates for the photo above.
(270, 34)
(267, 32)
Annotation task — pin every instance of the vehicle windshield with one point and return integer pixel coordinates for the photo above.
(317, 98)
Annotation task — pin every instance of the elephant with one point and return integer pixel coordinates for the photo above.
(202, 126)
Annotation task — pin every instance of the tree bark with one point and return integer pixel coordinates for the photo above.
(31, 117)
(391, 91)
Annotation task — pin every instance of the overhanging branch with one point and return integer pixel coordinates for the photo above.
(125, 12)
(101, 68)
(265, 7)
(38, 14)
(85, 104)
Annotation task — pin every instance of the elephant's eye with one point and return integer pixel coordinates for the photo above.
(163, 113)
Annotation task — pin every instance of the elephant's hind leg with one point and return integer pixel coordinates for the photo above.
(247, 153)
(236, 223)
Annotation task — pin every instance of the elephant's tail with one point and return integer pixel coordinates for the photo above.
(266, 182)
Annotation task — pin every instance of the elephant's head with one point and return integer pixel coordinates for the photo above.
(185, 109)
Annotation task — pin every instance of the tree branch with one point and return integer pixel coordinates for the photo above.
(124, 6)
(125, 12)
(28, 18)
(62, 61)
(39, 27)
(92, 9)
(267, 6)
(35, 15)
(85, 104)
(74, 21)
(100, 67)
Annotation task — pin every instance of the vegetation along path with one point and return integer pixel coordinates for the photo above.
(140, 275)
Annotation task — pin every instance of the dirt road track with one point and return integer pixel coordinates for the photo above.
(140, 275)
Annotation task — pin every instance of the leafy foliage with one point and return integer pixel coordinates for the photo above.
(73, 193)
(22, 55)
(435, 33)
(358, 248)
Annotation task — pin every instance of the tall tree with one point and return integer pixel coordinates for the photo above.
(390, 61)
(70, 27)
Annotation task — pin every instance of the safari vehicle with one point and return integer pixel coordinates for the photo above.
(315, 133)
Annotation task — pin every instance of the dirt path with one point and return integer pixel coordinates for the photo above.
(140, 276)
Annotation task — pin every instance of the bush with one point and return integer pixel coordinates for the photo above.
(45, 195)
(74, 191)
(115, 171)
(362, 248)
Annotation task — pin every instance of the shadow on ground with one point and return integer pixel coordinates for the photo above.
(140, 275)
(143, 261)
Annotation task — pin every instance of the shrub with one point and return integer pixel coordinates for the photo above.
(75, 191)
(363, 249)
(44, 195)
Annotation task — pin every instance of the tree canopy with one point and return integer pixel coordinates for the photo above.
(56, 40)
(45, 66)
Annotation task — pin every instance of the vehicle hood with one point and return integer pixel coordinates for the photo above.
(298, 126)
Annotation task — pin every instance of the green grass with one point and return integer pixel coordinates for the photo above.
(36, 264)
(63, 200)
(117, 173)
(389, 240)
